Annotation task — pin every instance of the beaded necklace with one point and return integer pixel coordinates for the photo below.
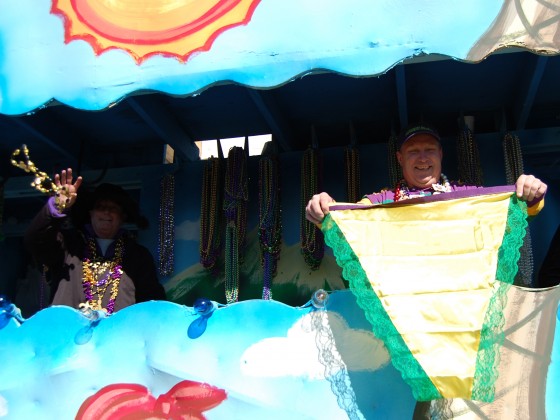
(167, 225)
(42, 182)
(513, 157)
(468, 156)
(270, 221)
(312, 242)
(395, 170)
(211, 214)
(44, 283)
(2, 182)
(235, 206)
(352, 159)
(402, 191)
(100, 273)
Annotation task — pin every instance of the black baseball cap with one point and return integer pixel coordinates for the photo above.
(418, 129)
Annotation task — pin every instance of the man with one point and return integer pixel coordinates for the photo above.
(434, 296)
(99, 263)
(420, 155)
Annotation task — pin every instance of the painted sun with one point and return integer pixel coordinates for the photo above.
(144, 28)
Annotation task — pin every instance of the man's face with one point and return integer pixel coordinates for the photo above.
(420, 160)
(106, 218)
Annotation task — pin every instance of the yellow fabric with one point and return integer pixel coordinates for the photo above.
(535, 208)
(433, 267)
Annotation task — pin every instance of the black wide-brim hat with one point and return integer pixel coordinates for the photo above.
(87, 199)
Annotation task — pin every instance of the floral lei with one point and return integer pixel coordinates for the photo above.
(403, 193)
(99, 274)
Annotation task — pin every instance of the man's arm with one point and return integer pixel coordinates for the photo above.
(41, 238)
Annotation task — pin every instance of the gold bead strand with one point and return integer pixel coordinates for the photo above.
(270, 221)
(312, 242)
(42, 182)
(235, 207)
(513, 157)
(167, 225)
(468, 156)
(352, 159)
(211, 214)
(2, 182)
(395, 172)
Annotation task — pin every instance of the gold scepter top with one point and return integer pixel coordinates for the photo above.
(42, 182)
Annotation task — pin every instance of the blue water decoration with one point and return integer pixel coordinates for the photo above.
(84, 335)
(204, 308)
(319, 299)
(9, 311)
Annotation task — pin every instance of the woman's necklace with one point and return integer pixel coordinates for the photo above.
(99, 274)
(402, 191)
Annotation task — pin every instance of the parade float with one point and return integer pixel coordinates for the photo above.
(269, 316)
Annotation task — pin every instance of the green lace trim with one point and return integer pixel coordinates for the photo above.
(411, 371)
(413, 374)
(492, 335)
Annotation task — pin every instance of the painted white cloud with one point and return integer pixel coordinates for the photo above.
(298, 353)
(188, 230)
(3, 406)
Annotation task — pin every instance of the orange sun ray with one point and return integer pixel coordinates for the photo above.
(143, 28)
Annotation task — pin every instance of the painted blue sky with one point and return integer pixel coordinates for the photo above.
(284, 39)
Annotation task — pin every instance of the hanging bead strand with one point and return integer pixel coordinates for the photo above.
(167, 225)
(211, 214)
(270, 220)
(468, 156)
(513, 158)
(2, 182)
(352, 159)
(42, 182)
(312, 242)
(235, 206)
(395, 171)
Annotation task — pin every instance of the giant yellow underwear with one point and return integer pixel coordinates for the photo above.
(431, 275)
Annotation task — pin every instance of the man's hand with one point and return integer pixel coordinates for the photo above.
(318, 207)
(529, 188)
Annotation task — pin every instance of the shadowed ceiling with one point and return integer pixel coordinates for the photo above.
(517, 91)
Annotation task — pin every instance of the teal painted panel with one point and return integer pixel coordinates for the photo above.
(251, 359)
(553, 377)
(270, 360)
